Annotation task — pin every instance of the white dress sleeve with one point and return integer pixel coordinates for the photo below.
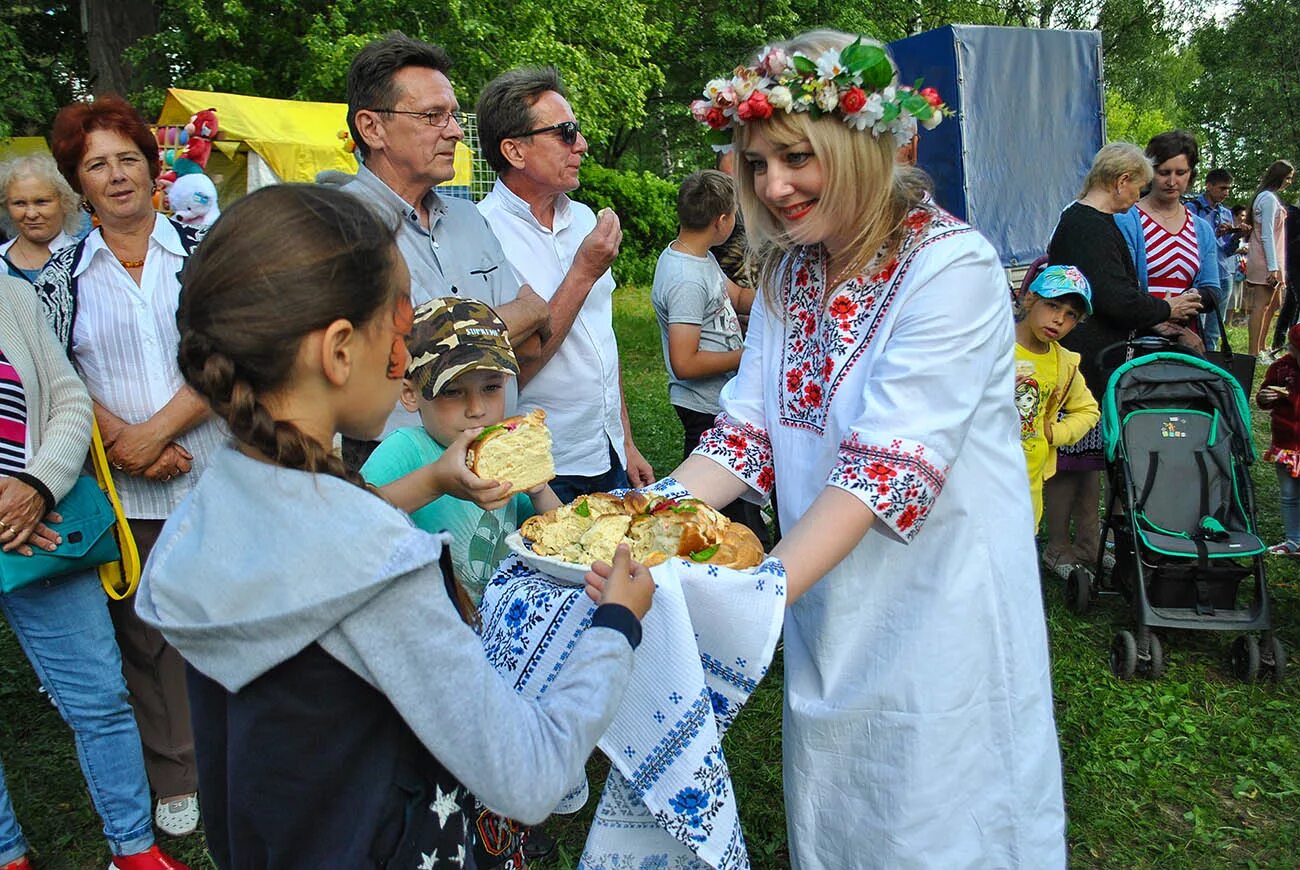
(739, 438)
(951, 335)
(1266, 206)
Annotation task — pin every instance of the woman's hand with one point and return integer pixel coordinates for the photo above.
(21, 508)
(135, 448)
(1185, 305)
(625, 582)
(452, 476)
(1275, 278)
(174, 461)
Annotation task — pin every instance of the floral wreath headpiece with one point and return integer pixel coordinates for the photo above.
(855, 81)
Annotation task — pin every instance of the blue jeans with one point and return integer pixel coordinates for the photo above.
(1289, 501)
(567, 487)
(65, 631)
(1210, 323)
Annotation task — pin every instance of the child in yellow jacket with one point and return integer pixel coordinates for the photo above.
(1056, 408)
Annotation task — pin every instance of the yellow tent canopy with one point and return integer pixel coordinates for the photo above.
(296, 139)
(21, 146)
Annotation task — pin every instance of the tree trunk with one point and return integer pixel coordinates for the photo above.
(111, 27)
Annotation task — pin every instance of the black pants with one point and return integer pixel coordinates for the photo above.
(696, 423)
(1286, 317)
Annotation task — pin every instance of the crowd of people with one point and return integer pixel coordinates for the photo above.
(287, 400)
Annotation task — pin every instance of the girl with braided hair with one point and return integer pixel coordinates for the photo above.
(322, 639)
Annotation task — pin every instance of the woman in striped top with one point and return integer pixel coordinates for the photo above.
(1172, 248)
(62, 623)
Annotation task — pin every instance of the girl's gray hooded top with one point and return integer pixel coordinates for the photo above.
(261, 561)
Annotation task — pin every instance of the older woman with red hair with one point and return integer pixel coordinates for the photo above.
(112, 301)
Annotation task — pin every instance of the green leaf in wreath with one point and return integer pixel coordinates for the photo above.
(803, 65)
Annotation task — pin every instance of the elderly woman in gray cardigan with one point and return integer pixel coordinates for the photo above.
(63, 623)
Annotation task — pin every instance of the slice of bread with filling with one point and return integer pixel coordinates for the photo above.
(517, 449)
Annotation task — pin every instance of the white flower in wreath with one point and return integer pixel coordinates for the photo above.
(743, 86)
(828, 96)
(828, 65)
(715, 87)
(780, 98)
(933, 121)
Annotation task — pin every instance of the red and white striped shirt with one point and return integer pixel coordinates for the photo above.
(1173, 259)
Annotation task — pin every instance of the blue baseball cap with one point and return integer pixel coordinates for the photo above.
(1057, 281)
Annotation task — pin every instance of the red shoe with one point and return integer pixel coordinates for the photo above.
(21, 864)
(154, 859)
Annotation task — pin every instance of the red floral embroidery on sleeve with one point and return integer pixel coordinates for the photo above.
(742, 448)
(897, 482)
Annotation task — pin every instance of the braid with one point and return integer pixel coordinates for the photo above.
(282, 263)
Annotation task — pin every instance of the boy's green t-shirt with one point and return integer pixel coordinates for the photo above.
(478, 536)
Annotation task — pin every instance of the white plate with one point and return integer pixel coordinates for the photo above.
(569, 573)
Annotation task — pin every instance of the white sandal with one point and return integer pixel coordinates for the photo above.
(178, 816)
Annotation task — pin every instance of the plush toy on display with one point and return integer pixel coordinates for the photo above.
(193, 200)
(195, 139)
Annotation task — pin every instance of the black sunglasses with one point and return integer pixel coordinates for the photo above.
(568, 131)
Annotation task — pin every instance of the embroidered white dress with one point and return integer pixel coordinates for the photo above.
(918, 725)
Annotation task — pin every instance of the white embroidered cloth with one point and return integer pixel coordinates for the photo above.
(706, 643)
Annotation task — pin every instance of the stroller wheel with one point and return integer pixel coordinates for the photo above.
(1274, 657)
(1123, 655)
(1078, 590)
(1155, 666)
(1245, 658)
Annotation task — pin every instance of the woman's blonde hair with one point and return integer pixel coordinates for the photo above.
(1115, 160)
(863, 187)
(42, 168)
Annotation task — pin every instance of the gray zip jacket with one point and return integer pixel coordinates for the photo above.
(260, 561)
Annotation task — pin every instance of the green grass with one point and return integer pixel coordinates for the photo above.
(1193, 771)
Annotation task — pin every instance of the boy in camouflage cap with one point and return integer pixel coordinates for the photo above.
(451, 336)
(457, 379)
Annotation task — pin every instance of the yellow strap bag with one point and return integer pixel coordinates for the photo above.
(119, 577)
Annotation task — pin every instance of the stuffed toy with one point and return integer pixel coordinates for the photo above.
(197, 138)
(193, 200)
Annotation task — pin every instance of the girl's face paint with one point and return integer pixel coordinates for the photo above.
(403, 320)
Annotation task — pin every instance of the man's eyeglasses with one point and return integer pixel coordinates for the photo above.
(436, 118)
(568, 131)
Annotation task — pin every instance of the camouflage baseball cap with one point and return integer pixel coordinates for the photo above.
(452, 336)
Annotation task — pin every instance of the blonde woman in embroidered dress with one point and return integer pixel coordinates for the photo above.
(40, 211)
(875, 393)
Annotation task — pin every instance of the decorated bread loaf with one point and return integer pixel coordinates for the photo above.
(517, 449)
(656, 529)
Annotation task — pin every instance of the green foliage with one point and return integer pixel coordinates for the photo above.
(603, 48)
(1126, 122)
(647, 207)
(42, 63)
(1247, 97)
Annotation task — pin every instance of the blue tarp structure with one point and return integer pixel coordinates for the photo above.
(1030, 117)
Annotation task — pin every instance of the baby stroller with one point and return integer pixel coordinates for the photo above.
(1176, 431)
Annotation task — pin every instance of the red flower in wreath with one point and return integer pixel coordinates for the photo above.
(932, 97)
(715, 118)
(755, 108)
(853, 100)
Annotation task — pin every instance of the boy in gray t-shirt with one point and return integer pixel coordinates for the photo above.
(696, 305)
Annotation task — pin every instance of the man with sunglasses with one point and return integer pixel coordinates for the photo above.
(406, 122)
(528, 134)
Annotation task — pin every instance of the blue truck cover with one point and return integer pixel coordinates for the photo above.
(1030, 115)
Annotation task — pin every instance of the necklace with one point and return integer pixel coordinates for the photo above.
(130, 264)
